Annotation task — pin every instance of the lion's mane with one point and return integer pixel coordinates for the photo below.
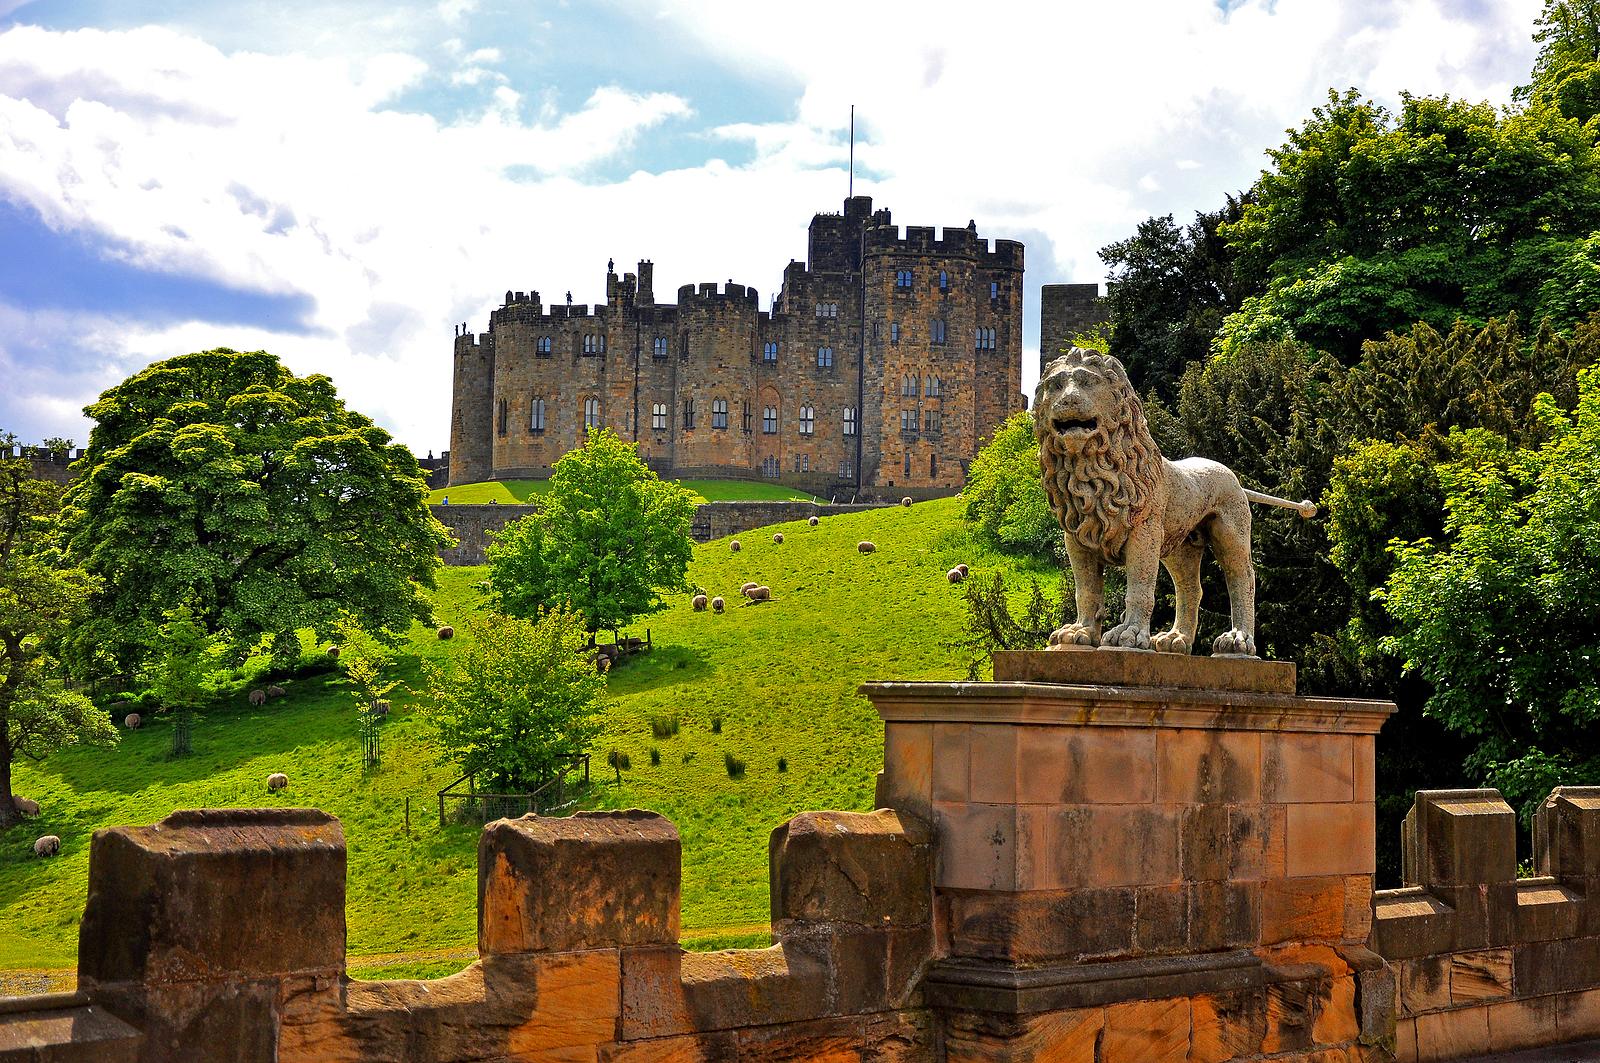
(1100, 495)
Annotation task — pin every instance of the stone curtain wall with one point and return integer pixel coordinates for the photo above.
(1064, 311)
(1485, 961)
(474, 526)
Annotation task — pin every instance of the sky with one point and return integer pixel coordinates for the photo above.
(341, 182)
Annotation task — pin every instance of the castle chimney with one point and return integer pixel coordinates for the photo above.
(647, 277)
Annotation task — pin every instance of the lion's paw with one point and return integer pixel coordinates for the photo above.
(1170, 642)
(1234, 643)
(1071, 636)
(1128, 637)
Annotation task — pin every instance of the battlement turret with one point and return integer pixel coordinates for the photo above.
(707, 292)
(920, 240)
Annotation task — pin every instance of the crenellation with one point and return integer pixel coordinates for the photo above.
(794, 394)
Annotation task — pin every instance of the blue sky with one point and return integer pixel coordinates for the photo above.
(341, 182)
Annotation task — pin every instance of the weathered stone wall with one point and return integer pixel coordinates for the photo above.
(54, 466)
(1064, 311)
(1485, 961)
(658, 372)
(474, 526)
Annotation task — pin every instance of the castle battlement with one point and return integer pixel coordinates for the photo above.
(706, 292)
(951, 243)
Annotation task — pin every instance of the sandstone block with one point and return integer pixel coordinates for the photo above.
(1410, 922)
(952, 760)
(1224, 915)
(866, 869)
(1423, 984)
(1454, 1034)
(1109, 765)
(592, 880)
(1039, 926)
(1476, 976)
(1331, 839)
(1459, 838)
(1147, 1031)
(1290, 1007)
(1201, 766)
(1228, 1026)
(1297, 766)
(1518, 1024)
(1566, 834)
(1337, 1020)
(907, 767)
(667, 992)
(1303, 909)
(1065, 1036)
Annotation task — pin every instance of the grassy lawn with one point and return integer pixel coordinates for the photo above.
(508, 491)
(780, 676)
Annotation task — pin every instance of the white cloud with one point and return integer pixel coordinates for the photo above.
(1062, 125)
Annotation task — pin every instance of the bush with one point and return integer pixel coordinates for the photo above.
(1005, 495)
(716, 724)
(783, 764)
(655, 757)
(734, 765)
(663, 726)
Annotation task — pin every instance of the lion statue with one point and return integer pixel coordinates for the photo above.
(1121, 503)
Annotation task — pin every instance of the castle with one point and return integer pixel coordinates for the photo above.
(885, 362)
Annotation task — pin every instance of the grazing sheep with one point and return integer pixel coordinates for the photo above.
(333, 651)
(746, 588)
(603, 664)
(49, 845)
(962, 568)
(954, 575)
(761, 594)
(866, 547)
(258, 697)
(734, 546)
(25, 806)
(132, 721)
(906, 501)
(777, 537)
(275, 691)
(277, 781)
(811, 521)
(700, 603)
(716, 605)
(447, 632)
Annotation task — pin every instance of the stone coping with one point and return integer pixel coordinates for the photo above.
(1065, 705)
(1144, 668)
(992, 987)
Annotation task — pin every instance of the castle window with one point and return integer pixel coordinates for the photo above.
(501, 416)
(659, 350)
(805, 463)
(845, 471)
(908, 463)
(935, 387)
(658, 415)
(808, 420)
(908, 421)
(827, 309)
(932, 420)
(902, 279)
(908, 387)
(824, 357)
(986, 339)
(849, 420)
(746, 418)
(769, 420)
(536, 416)
(591, 413)
(688, 413)
(769, 353)
(719, 413)
(769, 467)
(894, 332)
(994, 291)
(944, 281)
(593, 344)
(933, 466)
(936, 330)
(544, 346)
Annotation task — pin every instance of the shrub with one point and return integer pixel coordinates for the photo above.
(655, 757)
(663, 726)
(716, 724)
(1005, 495)
(619, 762)
(734, 765)
(783, 764)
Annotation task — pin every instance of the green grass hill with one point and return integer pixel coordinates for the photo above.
(509, 491)
(780, 677)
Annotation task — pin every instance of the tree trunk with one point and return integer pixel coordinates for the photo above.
(8, 807)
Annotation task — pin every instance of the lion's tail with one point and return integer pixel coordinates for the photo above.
(1306, 508)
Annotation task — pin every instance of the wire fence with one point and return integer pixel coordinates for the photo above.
(462, 802)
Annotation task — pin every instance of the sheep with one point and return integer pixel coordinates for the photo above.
(716, 604)
(811, 521)
(746, 588)
(906, 501)
(603, 664)
(699, 603)
(258, 697)
(962, 568)
(954, 575)
(761, 594)
(447, 632)
(133, 721)
(777, 537)
(277, 781)
(25, 806)
(866, 547)
(275, 691)
(734, 546)
(49, 845)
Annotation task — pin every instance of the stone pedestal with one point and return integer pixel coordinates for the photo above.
(1156, 854)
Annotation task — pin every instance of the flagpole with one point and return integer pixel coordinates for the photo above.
(852, 151)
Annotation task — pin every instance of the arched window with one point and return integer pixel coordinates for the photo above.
(544, 346)
(944, 281)
(769, 420)
(808, 420)
(894, 332)
(658, 415)
(591, 413)
(902, 279)
(536, 415)
(688, 413)
(659, 348)
(719, 413)
(769, 353)
(849, 420)
(824, 357)
(936, 331)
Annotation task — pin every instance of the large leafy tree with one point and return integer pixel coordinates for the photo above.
(520, 697)
(1566, 74)
(222, 480)
(39, 600)
(1005, 497)
(1170, 287)
(1369, 221)
(610, 538)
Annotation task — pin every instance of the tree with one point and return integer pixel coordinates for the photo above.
(180, 669)
(1169, 290)
(610, 538)
(1566, 73)
(521, 697)
(223, 480)
(39, 600)
(365, 661)
(1005, 497)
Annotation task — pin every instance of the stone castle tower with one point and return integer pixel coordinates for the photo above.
(884, 362)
